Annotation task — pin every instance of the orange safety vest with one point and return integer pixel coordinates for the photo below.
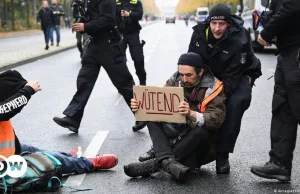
(210, 94)
(7, 139)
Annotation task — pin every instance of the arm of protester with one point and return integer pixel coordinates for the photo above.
(134, 105)
(14, 104)
(214, 114)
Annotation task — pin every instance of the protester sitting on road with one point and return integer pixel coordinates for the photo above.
(15, 93)
(192, 144)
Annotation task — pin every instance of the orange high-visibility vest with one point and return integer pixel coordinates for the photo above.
(210, 94)
(7, 139)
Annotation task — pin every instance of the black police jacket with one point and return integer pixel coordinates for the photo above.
(231, 58)
(285, 25)
(131, 23)
(102, 15)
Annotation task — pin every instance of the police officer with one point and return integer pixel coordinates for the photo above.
(224, 45)
(285, 25)
(131, 11)
(102, 51)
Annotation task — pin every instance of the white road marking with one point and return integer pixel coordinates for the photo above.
(91, 151)
(118, 101)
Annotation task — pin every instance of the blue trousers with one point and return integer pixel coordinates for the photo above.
(69, 164)
(57, 31)
(46, 31)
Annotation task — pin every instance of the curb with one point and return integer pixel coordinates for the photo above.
(13, 65)
(33, 59)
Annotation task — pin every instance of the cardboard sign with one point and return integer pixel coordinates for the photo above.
(159, 103)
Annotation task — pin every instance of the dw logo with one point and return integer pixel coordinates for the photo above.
(15, 166)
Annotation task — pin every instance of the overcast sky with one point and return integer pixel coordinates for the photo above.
(166, 3)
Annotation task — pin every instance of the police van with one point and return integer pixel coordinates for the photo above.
(249, 7)
(201, 14)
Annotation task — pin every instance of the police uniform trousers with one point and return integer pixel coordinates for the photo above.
(285, 108)
(137, 54)
(99, 53)
(236, 105)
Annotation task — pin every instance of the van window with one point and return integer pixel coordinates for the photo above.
(202, 13)
(264, 3)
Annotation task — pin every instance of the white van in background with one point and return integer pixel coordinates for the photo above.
(249, 7)
(201, 14)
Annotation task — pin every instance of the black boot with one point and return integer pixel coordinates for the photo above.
(144, 169)
(272, 170)
(47, 47)
(139, 125)
(67, 122)
(222, 163)
(147, 156)
(178, 171)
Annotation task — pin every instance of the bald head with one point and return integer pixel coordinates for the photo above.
(45, 4)
(54, 1)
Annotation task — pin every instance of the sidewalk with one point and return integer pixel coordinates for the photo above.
(18, 48)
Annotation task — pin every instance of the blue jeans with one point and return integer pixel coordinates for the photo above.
(46, 31)
(57, 31)
(69, 163)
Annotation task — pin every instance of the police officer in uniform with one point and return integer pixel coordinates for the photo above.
(102, 51)
(285, 25)
(224, 45)
(131, 11)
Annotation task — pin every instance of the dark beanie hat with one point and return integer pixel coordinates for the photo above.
(10, 82)
(219, 11)
(191, 59)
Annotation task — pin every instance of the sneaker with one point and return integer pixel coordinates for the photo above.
(178, 171)
(144, 169)
(139, 125)
(147, 156)
(67, 122)
(222, 163)
(272, 170)
(105, 161)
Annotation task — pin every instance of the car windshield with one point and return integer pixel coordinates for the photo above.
(202, 12)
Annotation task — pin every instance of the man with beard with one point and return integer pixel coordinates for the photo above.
(179, 148)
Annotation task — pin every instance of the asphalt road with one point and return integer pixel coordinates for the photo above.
(107, 111)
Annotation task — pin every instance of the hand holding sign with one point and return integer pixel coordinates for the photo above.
(184, 109)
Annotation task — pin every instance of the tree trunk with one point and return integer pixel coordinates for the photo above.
(28, 14)
(12, 15)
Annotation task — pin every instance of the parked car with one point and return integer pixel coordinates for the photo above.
(170, 19)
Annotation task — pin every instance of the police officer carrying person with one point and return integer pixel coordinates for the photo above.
(224, 45)
(131, 11)
(285, 25)
(102, 51)
(192, 143)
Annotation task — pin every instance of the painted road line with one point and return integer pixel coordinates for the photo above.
(91, 151)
